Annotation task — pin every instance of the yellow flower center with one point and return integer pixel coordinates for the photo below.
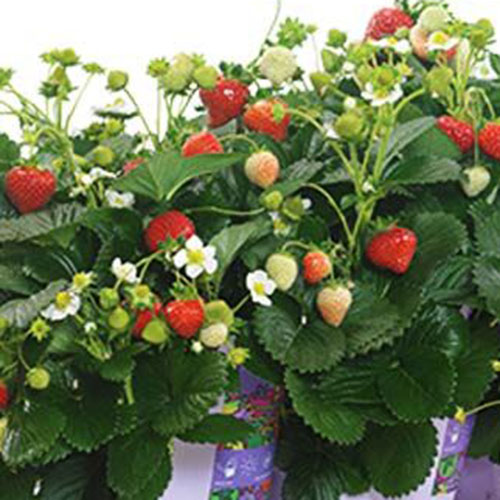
(259, 289)
(196, 257)
(63, 300)
(81, 280)
(439, 38)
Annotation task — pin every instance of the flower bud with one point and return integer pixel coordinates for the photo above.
(219, 312)
(117, 80)
(108, 298)
(272, 201)
(38, 378)
(119, 319)
(206, 76)
(336, 38)
(331, 62)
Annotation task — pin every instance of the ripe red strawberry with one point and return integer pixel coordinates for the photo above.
(225, 101)
(29, 188)
(260, 118)
(201, 144)
(173, 224)
(185, 317)
(489, 140)
(4, 396)
(133, 164)
(386, 22)
(333, 303)
(393, 249)
(460, 132)
(144, 317)
(317, 266)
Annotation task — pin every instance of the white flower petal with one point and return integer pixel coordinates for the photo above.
(194, 243)
(209, 252)
(180, 259)
(269, 286)
(263, 300)
(194, 270)
(211, 265)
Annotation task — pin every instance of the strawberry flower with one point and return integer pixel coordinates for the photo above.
(124, 271)
(66, 304)
(196, 258)
(399, 46)
(382, 96)
(439, 40)
(260, 286)
(119, 200)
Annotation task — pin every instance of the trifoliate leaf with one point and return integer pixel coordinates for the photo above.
(419, 384)
(307, 348)
(399, 458)
(33, 428)
(331, 420)
(134, 459)
(176, 389)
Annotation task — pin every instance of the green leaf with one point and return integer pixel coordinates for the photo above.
(495, 63)
(232, 240)
(17, 485)
(119, 367)
(91, 414)
(487, 228)
(419, 384)
(485, 439)
(330, 419)
(40, 223)
(20, 312)
(162, 176)
(218, 429)
(423, 170)
(134, 459)
(9, 152)
(12, 279)
(399, 458)
(487, 279)
(296, 176)
(474, 370)
(176, 389)
(307, 348)
(32, 430)
(405, 134)
(435, 143)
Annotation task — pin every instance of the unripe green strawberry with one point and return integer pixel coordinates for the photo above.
(283, 270)
(333, 304)
(272, 201)
(117, 80)
(214, 336)
(293, 208)
(184, 64)
(119, 319)
(38, 378)
(476, 180)
(438, 80)
(218, 311)
(114, 127)
(156, 332)
(175, 80)
(332, 62)
(206, 76)
(103, 155)
(433, 18)
(108, 298)
(262, 169)
(320, 81)
(350, 126)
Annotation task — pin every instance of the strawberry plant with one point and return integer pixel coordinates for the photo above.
(335, 233)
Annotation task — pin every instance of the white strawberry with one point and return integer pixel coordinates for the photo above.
(334, 303)
(476, 180)
(283, 270)
(214, 336)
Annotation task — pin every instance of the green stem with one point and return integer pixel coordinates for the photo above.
(335, 207)
(153, 138)
(240, 137)
(241, 303)
(129, 391)
(297, 244)
(483, 407)
(77, 102)
(407, 100)
(226, 211)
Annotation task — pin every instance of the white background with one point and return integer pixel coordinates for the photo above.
(126, 35)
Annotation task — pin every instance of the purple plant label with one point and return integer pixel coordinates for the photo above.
(244, 471)
(452, 457)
